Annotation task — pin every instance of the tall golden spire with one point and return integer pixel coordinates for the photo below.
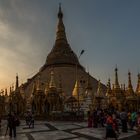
(109, 91)
(61, 52)
(76, 90)
(138, 85)
(6, 92)
(130, 90)
(60, 35)
(17, 83)
(116, 86)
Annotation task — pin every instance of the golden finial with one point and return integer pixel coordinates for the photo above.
(116, 86)
(130, 87)
(60, 35)
(60, 14)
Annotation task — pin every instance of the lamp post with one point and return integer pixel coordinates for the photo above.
(77, 80)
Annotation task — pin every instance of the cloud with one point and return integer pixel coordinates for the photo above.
(23, 39)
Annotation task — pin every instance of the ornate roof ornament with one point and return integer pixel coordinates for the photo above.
(116, 86)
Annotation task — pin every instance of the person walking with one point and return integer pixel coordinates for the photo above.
(123, 116)
(110, 130)
(11, 125)
(115, 124)
(133, 119)
(95, 119)
(90, 120)
(31, 123)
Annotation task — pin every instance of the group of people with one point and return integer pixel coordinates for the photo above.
(13, 121)
(113, 120)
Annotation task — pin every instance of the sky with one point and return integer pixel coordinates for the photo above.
(108, 31)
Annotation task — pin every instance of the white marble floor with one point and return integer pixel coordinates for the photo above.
(58, 131)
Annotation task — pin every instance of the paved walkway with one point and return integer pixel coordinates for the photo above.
(61, 131)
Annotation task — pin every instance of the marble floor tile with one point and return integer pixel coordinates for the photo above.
(23, 129)
(52, 135)
(19, 137)
(80, 138)
(100, 132)
(66, 126)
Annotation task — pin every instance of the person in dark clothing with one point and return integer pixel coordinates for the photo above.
(123, 116)
(90, 120)
(95, 119)
(102, 118)
(110, 129)
(12, 124)
(0, 122)
(31, 123)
